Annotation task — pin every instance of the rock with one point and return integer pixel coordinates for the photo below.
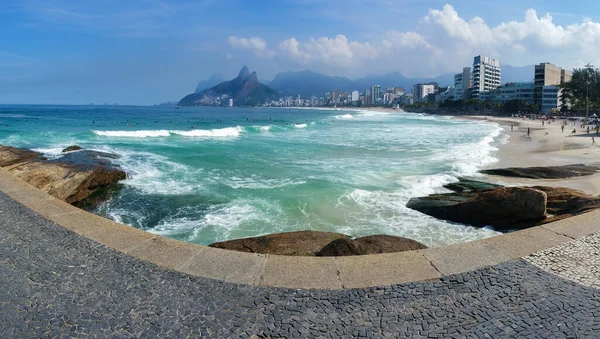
(467, 185)
(10, 156)
(566, 202)
(72, 178)
(503, 208)
(302, 243)
(72, 148)
(549, 172)
(373, 244)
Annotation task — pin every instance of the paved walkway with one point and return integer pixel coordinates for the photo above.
(54, 283)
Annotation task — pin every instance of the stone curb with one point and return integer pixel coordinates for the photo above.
(299, 272)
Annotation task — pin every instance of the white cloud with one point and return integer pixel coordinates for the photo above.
(255, 44)
(443, 41)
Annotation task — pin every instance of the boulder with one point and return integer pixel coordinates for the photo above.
(72, 148)
(467, 185)
(373, 244)
(10, 156)
(503, 208)
(566, 202)
(548, 172)
(302, 243)
(72, 178)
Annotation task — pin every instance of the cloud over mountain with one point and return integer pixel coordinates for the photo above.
(442, 41)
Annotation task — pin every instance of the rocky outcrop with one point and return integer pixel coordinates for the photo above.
(244, 90)
(566, 202)
(73, 177)
(373, 244)
(560, 203)
(72, 148)
(10, 156)
(303, 243)
(311, 243)
(467, 185)
(549, 172)
(503, 208)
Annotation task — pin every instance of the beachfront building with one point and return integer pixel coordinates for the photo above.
(462, 82)
(399, 91)
(522, 91)
(547, 74)
(355, 96)
(486, 75)
(448, 94)
(421, 91)
(368, 98)
(375, 94)
(550, 99)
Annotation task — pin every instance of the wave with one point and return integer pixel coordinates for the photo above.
(199, 133)
(221, 132)
(344, 116)
(134, 134)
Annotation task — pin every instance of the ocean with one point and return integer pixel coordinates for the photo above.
(211, 174)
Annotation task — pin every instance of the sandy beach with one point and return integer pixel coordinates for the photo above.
(546, 145)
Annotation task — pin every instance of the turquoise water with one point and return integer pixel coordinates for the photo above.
(243, 172)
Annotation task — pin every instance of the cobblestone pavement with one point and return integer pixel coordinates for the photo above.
(54, 283)
(577, 260)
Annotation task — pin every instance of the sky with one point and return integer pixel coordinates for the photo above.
(151, 51)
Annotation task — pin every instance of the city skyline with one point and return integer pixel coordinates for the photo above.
(143, 52)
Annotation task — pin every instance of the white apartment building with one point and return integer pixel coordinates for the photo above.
(486, 74)
(462, 82)
(355, 96)
(420, 91)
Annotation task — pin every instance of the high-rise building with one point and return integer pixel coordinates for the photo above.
(375, 94)
(462, 82)
(421, 91)
(354, 96)
(486, 74)
(368, 98)
(547, 74)
(399, 91)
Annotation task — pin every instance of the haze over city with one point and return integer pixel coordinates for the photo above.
(146, 52)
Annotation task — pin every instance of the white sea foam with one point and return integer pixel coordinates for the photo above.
(221, 132)
(255, 182)
(300, 125)
(344, 116)
(49, 152)
(134, 134)
(265, 128)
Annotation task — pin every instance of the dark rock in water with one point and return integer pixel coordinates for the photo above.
(566, 202)
(303, 243)
(503, 208)
(72, 178)
(72, 148)
(467, 185)
(10, 156)
(373, 244)
(549, 172)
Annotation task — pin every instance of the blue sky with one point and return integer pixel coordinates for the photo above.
(146, 52)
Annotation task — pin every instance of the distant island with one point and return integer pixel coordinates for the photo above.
(244, 90)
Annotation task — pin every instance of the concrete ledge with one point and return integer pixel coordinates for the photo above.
(299, 272)
(464, 257)
(385, 269)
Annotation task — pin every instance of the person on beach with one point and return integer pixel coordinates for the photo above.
(594, 141)
(511, 128)
(528, 131)
(542, 123)
(562, 128)
(573, 131)
(588, 130)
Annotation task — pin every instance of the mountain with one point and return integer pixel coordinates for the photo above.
(308, 83)
(214, 79)
(245, 90)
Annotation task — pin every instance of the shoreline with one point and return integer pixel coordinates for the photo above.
(556, 148)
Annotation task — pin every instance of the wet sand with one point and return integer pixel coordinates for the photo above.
(556, 148)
